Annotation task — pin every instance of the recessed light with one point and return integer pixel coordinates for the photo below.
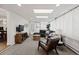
(57, 5)
(41, 16)
(19, 4)
(42, 10)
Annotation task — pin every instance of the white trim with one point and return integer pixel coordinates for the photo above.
(73, 49)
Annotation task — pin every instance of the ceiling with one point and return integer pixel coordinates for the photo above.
(26, 10)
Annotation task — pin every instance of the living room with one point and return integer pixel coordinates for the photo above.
(23, 23)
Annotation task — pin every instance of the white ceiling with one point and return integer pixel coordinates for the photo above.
(26, 10)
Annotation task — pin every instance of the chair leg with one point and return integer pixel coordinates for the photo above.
(56, 50)
(38, 45)
(38, 48)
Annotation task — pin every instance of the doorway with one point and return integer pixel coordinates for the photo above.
(3, 29)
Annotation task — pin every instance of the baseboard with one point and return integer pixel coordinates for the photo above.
(73, 49)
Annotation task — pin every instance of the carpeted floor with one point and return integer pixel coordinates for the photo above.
(29, 47)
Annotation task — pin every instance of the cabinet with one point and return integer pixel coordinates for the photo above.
(20, 37)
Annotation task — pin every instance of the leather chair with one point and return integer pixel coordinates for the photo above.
(52, 44)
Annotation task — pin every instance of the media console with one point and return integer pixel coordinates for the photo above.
(20, 37)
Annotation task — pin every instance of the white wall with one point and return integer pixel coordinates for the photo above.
(37, 26)
(53, 25)
(13, 21)
(31, 29)
(69, 25)
(43, 25)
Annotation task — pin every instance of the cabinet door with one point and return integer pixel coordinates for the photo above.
(18, 38)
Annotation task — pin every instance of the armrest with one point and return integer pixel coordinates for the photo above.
(43, 45)
(42, 42)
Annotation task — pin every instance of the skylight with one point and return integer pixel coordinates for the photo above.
(42, 10)
(41, 16)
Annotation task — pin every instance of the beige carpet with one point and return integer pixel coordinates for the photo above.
(29, 47)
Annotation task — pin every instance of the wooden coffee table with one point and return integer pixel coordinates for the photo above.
(36, 37)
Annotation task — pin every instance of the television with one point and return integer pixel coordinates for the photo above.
(1, 28)
(42, 33)
(20, 28)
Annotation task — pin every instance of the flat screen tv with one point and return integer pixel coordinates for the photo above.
(20, 28)
(1, 28)
(42, 33)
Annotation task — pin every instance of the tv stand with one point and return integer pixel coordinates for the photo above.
(20, 37)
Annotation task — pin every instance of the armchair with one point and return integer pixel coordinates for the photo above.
(52, 44)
